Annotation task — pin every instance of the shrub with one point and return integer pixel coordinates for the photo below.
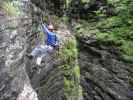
(10, 9)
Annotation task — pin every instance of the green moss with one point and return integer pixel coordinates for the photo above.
(110, 29)
(69, 87)
(127, 48)
(109, 23)
(71, 71)
(55, 20)
(10, 9)
(69, 52)
(77, 71)
(120, 36)
(5, 98)
(86, 1)
(131, 82)
(41, 36)
(65, 20)
(72, 88)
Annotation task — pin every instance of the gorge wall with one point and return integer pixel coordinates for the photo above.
(58, 78)
(104, 75)
(84, 68)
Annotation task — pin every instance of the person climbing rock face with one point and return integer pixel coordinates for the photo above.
(52, 38)
(52, 43)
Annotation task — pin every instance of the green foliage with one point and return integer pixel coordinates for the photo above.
(65, 20)
(41, 36)
(113, 29)
(69, 86)
(110, 23)
(84, 28)
(86, 1)
(10, 8)
(99, 13)
(71, 70)
(72, 81)
(113, 1)
(76, 71)
(118, 28)
(131, 82)
(127, 48)
(70, 50)
(5, 98)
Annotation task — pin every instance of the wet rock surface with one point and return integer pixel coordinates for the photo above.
(103, 75)
(13, 75)
(21, 78)
(46, 79)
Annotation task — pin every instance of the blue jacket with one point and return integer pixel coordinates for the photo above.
(52, 39)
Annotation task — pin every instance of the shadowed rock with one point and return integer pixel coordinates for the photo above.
(104, 75)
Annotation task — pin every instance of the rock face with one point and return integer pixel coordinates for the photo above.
(104, 76)
(13, 75)
(55, 7)
(14, 81)
(22, 79)
(47, 79)
(56, 78)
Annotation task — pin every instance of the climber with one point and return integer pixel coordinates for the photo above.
(52, 38)
(52, 43)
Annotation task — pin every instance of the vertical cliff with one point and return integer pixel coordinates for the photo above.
(104, 74)
(58, 78)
